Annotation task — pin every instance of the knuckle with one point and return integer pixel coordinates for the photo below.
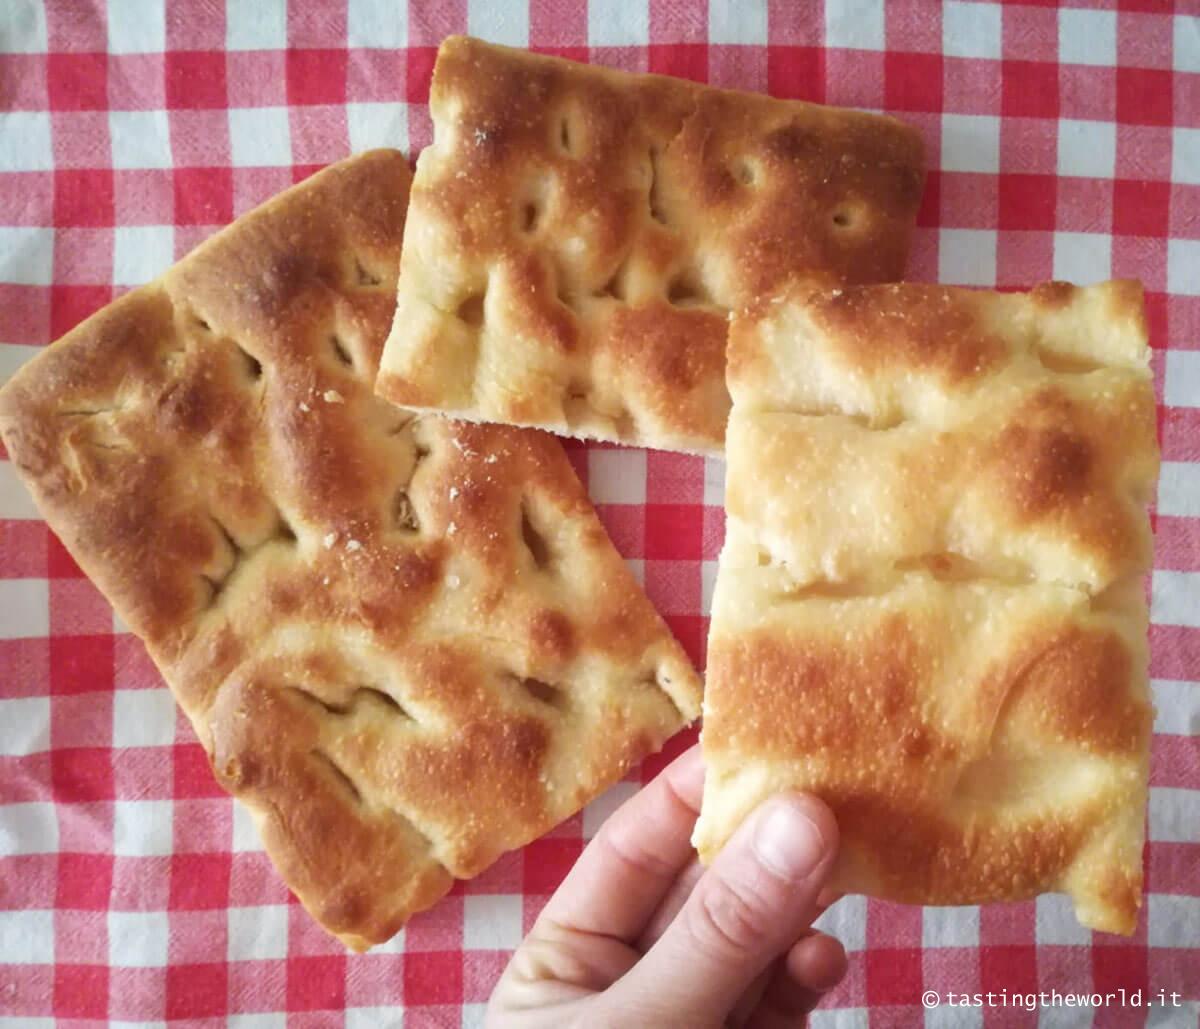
(627, 849)
(550, 958)
(728, 919)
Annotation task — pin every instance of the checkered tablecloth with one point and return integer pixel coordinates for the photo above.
(1062, 143)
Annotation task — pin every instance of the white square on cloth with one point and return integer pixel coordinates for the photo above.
(617, 476)
(258, 933)
(967, 257)
(855, 25)
(492, 921)
(1087, 37)
(1087, 149)
(618, 22)
(970, 143)
(377, 24)
(971, 30)
(29, 828)
(25, 141)
(742, 23)
(137, 939)
(260, 137)
(142, 253)
(140, 139)
(256, 26)
(26, 258)
(137, 26)
(26, 938)
(1082, 257)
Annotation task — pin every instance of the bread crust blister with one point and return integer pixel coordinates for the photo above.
(929, 608)
(405, 643)
(579, 235)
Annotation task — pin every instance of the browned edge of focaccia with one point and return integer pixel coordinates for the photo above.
(578, 236)
(376, 622)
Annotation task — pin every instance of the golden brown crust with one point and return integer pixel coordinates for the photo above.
(578, 235)
(928, 609)
(406, 643)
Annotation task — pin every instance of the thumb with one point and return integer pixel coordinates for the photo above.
(752, 904)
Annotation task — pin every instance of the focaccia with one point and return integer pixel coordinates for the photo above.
(405, 643)
(578, 237)
(929, 609)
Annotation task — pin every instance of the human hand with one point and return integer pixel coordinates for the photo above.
(639, 934)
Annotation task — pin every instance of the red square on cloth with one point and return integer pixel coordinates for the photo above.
(316, 76)
(81, 991)
(418, 72)
(1005, 967)
(22, 546)
(1030, 89)
(81, 664)
(77, 82)
(796, 72)
(193, 774)
(1144, 96)
(203, 196)
(316, 983)
(683, 60)
(1141, 208)
(60, 563)
(912, 82)
(84, 882)
(195, 79)
(673, 531)
(432, 977)
(83, 197)
(893, 976)
(1120, 967)
(23, 82)
(547, 861)
(137, 994)
(197, 991)
(136, 82)
(1026, 202)
(200, 881)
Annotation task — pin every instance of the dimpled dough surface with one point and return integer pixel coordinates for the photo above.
(578, 237)
(405, 643)
(929, 608)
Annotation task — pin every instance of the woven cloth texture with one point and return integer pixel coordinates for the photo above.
(1063, 143)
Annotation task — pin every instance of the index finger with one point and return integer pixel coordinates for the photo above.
(623, 874)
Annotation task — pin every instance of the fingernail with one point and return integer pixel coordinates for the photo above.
(786, 841)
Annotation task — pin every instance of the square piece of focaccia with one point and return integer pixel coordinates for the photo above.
(578, 237)
(929, 609)
(405, 643)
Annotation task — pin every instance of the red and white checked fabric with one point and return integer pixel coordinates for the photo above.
(1063, 143)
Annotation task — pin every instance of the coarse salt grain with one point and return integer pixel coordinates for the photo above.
(332, 396)
(330, 539)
